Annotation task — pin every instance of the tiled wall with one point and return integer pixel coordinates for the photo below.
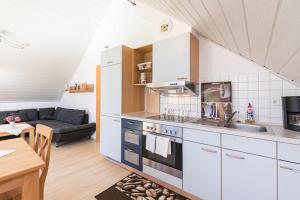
(263, 90)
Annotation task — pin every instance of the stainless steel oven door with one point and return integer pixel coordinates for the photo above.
(172, 164)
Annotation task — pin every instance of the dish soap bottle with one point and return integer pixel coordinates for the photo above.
(250, 114)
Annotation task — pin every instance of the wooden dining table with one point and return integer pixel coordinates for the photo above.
(29, 130)
(20, 169)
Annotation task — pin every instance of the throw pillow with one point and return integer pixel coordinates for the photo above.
(46, 113)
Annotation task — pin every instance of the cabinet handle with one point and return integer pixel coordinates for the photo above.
(290, 169)
(116, 115)
(116, 120)
(182, 78)
(235, 156)
(132, 132)
(109, 62)
(209, 150)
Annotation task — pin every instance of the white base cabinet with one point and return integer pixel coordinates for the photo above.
(288, 181)
(111, 137)
(248, 177)
(202, 170)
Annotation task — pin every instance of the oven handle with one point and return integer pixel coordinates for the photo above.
(172, 139)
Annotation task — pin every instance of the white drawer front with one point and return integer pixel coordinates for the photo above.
(203, 137)
(288, 181)
(249, 145)
(111, 56)
(289, 152)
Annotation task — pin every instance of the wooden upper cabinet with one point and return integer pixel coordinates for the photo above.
(176, 58)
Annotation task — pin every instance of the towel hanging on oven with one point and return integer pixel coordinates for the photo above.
(163, 146)
(150, 142)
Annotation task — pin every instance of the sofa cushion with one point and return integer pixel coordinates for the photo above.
(31, 114)
(70, 116)
(4, 114)
(46, 113)
(57, 110)
(54, 124)
(62, 127)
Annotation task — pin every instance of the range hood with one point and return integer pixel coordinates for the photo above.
(175, 88)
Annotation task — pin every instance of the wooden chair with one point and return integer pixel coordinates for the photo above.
(42, 146)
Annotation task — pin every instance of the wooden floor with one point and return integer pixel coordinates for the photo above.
(78, 172)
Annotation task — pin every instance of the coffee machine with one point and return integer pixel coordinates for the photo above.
(291, 112)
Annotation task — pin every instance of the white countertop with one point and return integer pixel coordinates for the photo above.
(275, 132)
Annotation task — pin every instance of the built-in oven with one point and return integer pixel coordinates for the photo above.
(172, 164)
(131, 154)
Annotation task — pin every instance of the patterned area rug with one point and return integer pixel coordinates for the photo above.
(135, 187)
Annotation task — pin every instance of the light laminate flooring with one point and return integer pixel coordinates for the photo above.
(79, 172)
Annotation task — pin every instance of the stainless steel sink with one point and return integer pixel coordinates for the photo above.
(247, 127)
(234, 125)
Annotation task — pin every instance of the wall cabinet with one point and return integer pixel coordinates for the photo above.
(202, 170)
(111, 90)
(176, 58)
(112, 56)
(288, 181)
(248, 177)
(111, 137)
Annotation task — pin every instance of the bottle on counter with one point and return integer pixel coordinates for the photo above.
(250, 114)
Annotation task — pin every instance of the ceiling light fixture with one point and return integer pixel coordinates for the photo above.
(11, 43)
(132, 2)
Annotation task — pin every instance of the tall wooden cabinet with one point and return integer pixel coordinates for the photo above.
(118, 95)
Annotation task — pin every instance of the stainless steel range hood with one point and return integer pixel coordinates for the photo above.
(175, 88)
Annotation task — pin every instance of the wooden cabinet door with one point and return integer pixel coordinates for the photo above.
(111, 90)
(202, 170)
(110, 143)
(111, 56)
(288, 181)
(171, 59)
(248, 177)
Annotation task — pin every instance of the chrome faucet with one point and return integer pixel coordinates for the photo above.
(230, 117)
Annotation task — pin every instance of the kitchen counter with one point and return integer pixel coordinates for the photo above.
(274, 132)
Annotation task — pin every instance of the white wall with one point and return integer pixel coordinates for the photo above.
(58, 32)
(26, 105)
(250, 83)
(123, 24)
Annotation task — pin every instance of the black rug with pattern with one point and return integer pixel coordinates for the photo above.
(135, 187)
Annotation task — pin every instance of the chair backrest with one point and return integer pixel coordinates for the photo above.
(42, 146)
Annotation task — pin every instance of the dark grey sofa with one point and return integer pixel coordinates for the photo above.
(68, 124)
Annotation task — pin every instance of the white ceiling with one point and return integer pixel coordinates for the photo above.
(264, 31)
(58, 31)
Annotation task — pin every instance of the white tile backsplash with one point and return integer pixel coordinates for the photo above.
(264, 85)
(243, 78)
(252, 77)
(253, 86)
(264, 76)
(263, 90)
(276, 85)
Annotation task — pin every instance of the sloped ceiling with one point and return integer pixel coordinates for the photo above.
(264, 31)
(58, 31)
